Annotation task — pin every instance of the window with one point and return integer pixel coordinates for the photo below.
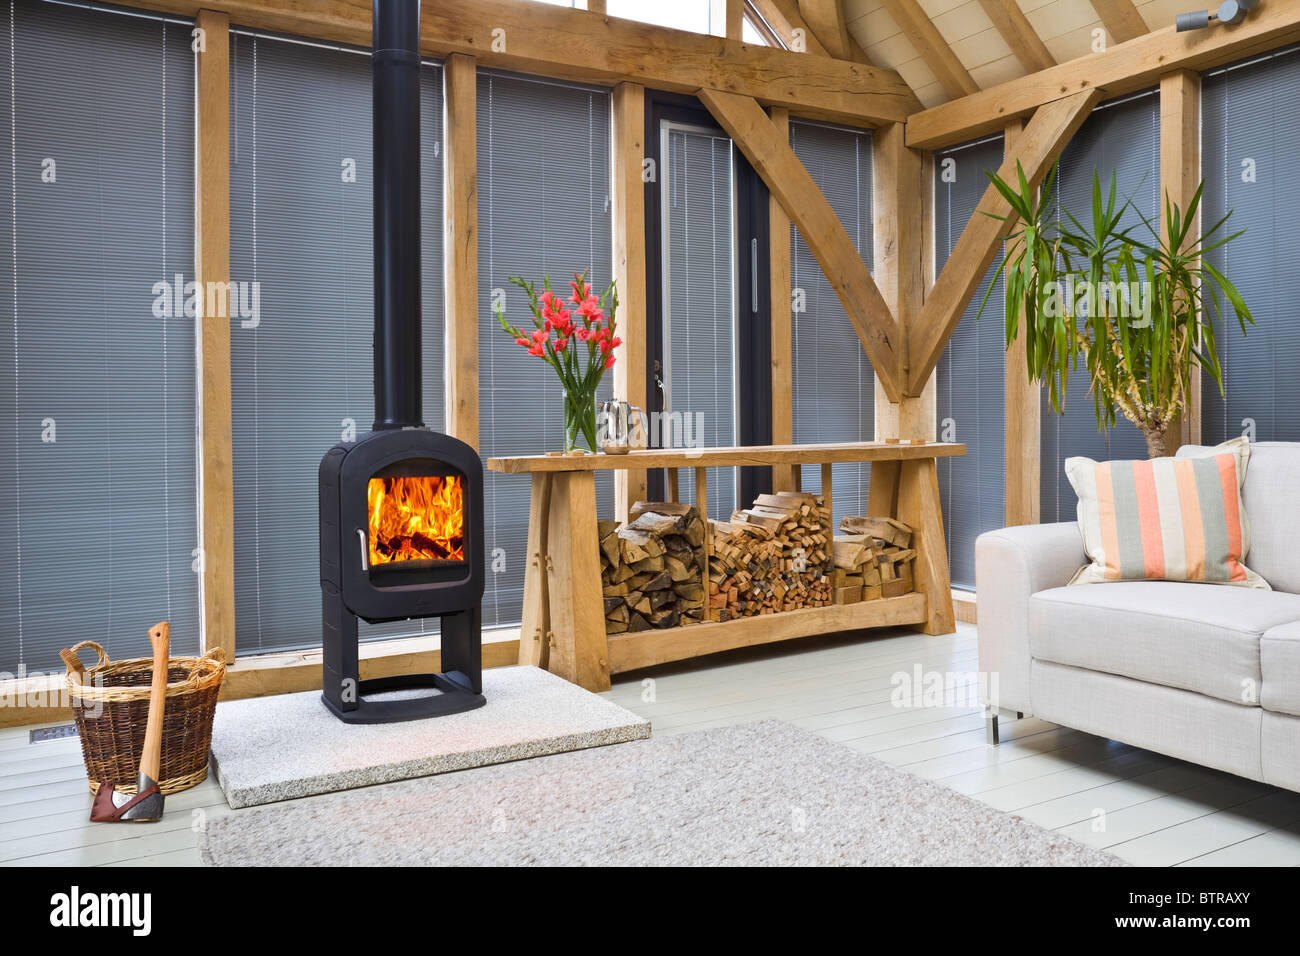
(699, 326)
(542, 211)
(749, 33)
(98, 516)
(833, 382)
(1122, 137)
(970, 380)
(302, 367)
(697, 16)
(1251, 160)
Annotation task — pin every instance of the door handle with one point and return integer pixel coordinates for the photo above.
(365, 550)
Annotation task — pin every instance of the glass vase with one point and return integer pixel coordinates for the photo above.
(579, 422)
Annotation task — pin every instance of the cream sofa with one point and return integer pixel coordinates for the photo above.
(1203, 672)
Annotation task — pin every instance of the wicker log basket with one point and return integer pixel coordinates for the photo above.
(110, 701)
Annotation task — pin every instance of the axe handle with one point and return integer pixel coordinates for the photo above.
(151, 755)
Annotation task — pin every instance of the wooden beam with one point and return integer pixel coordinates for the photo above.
(920, 507)
(1121, 19)
(1023, 406)
(212, 264)
(784, 477)
(900, 212)
(1011, 22)
(825, 18)
(630, 652)
(735, 19)
(931, 46)
(1180, 174)
(1036, 150)
(577, 615)
(784, 19)
(769, 152)
(596, 6)
(1124, 68)
(628, 190)
(564, 43)
(765, 29)
(460, 245)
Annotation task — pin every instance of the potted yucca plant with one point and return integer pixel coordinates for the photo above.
(1133, 311)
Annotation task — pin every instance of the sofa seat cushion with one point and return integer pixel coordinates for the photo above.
(1197, 637)
(1279, 658)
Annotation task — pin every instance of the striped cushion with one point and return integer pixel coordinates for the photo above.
(1167, 519)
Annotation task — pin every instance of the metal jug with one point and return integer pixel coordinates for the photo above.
(620, 427)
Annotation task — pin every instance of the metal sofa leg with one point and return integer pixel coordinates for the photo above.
(991, 716)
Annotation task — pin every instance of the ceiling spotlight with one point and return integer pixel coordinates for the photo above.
(1229, 12)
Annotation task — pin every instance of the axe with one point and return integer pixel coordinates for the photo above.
(146, 806)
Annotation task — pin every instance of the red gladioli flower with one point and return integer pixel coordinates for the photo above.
(609, 363)
(523, 342)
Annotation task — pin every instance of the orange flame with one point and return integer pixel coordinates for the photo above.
(414, 519)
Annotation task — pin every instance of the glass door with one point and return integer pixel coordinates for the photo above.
(697, 376)
(708, 318)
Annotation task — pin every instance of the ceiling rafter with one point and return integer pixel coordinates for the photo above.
(825, 18)
(1011, 22)
(933, 49)
(1123, 68)
(783, 17)
(1121, 19)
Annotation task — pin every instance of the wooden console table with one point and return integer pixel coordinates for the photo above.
(563, 626)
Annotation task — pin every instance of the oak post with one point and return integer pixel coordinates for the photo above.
(212, 264)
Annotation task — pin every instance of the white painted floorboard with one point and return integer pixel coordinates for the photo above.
(1144, 807)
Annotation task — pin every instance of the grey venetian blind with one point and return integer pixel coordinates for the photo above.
(543, 210)
(971, 376)
(833, 382)
(301, 228)
(700, 318)
(1250, 147)
(98, 495)
(1121, 137)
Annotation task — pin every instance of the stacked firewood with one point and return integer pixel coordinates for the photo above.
(651, 568)
(875, 554)
(774, 556)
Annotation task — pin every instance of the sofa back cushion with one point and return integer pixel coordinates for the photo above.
(1271, 495)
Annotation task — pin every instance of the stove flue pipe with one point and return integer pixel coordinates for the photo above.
(395, 67)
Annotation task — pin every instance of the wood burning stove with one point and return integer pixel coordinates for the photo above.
(401, 508)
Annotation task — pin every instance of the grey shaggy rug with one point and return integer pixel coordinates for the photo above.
(757, 794)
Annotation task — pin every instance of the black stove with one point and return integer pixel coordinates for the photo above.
(401, 508)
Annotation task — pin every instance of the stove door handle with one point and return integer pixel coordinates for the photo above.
(365, 550)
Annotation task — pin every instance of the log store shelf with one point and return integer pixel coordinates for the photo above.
(563, 626)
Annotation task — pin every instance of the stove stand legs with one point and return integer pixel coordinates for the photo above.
(462, 648)
(459, 688)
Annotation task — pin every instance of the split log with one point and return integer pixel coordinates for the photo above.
(651, 567)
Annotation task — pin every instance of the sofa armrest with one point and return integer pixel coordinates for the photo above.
(1010, 565)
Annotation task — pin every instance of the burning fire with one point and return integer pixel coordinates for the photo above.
(414, 519)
